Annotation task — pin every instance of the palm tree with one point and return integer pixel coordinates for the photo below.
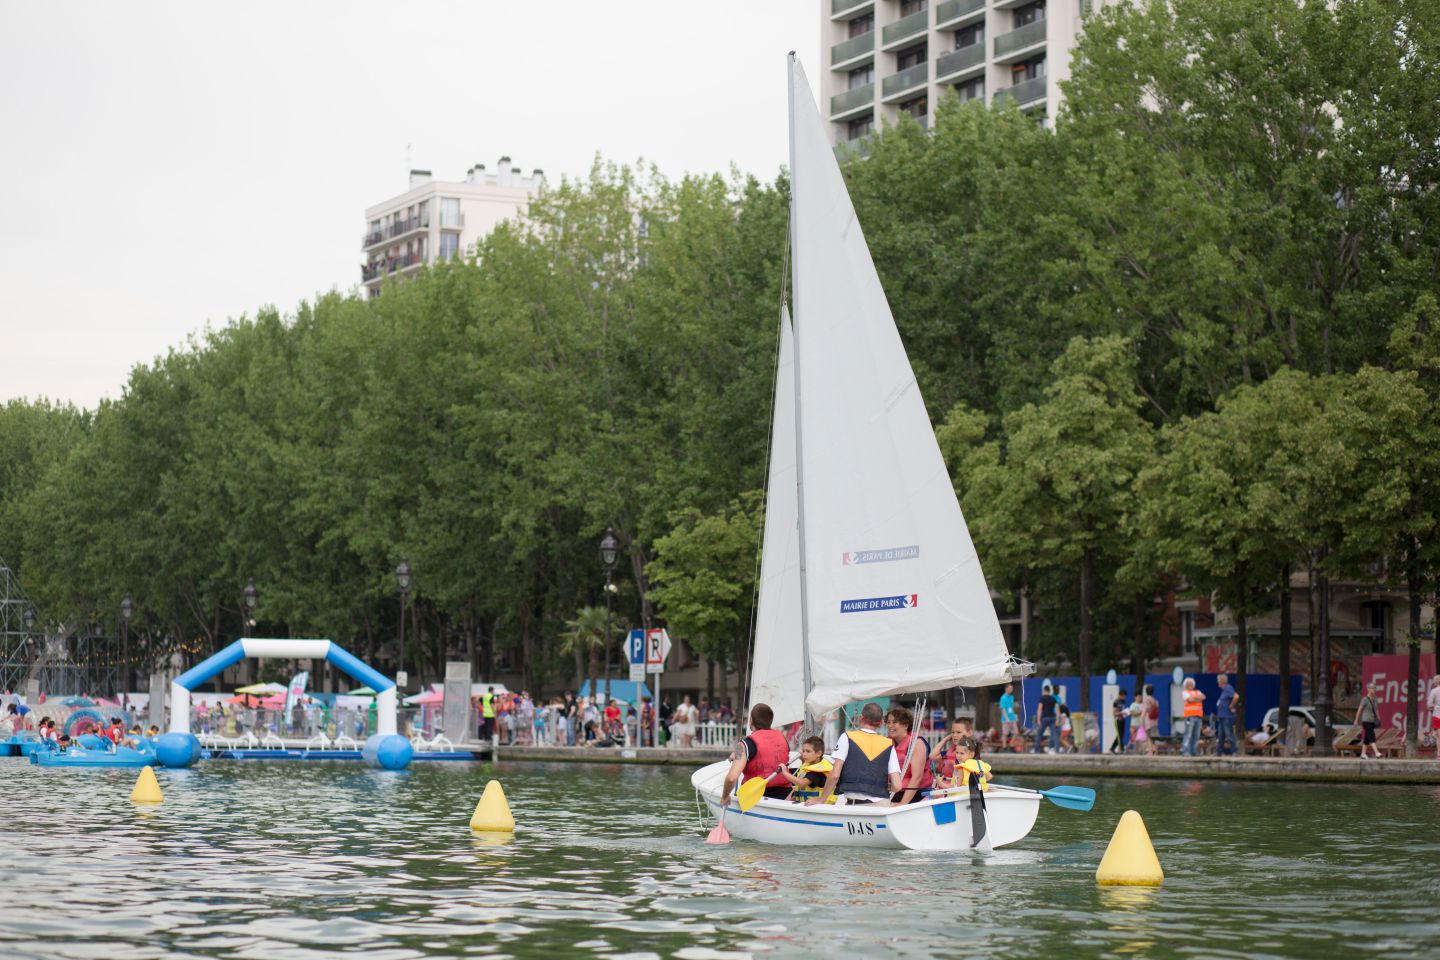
(586, 635)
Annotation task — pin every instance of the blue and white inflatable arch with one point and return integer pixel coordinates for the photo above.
(386, 748)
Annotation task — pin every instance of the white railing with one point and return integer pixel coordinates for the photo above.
(716, 734)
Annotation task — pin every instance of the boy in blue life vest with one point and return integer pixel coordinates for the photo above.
(810, 778)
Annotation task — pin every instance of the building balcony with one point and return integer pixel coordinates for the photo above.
(899, 84)
(396, 230)
(858, 147)
(377, 269)
(903, 29)
(1018, 44)
(957, 63)
(1007, 4)
(851, 102)
(954, 13)
(849, 9)
(1025, 93)
(851, 52)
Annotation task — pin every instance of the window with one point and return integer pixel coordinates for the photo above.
(910, 57)
(449, 246)
(1030, 13)
(862, 25)
(971, 89)
(1375, 614)
(424, 211)
(449, 211)
(917, 108)
(859, 128)
(1028, 70)
(1187, 633)
(908, 7)
(860, 76)
(969, 36)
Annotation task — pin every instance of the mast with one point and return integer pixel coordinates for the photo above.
(799, 437)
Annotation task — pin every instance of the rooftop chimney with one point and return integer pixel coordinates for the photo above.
(417, 177)
(503, 172)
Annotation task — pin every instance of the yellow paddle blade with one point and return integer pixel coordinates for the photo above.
(750, 793)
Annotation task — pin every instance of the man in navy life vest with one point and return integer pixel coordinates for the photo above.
(866, 768)
(762, 754)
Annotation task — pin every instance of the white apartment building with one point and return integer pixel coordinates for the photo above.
(436, 219)
(887, 57)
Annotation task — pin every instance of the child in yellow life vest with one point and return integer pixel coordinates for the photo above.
(814, 766)
(968, 766)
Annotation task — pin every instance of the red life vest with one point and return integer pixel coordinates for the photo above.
(927, 779)
(771, 751)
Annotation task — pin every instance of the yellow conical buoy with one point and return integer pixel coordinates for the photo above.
(492, 812)
(1130, 859)
(147, 788)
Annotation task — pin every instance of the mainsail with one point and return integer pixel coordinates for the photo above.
(896, 600)
(777, 671)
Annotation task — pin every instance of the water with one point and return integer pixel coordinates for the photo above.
(274, 861)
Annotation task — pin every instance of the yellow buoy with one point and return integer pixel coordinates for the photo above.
(147, 788)
(492, 812)
(1130, 859)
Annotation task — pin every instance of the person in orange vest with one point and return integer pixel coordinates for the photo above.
(764, 753)
(1194, 716)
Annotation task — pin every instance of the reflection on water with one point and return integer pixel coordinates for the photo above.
(272, 861)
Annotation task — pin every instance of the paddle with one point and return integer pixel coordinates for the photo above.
(1071, 798)
(748, 794)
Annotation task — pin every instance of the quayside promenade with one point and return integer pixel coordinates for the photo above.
(1301, 769)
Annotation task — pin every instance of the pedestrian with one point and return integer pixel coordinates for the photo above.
(1225, 716)
(686, 720)
(1009, 720)
(647, 722)
(1045, 719)
(1120, 713)
(1366, 717)
(1194, 702)
(1433, 700)
(1150, 717)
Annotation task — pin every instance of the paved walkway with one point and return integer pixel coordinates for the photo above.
(1067, 764)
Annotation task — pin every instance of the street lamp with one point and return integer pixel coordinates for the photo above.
(402, 580)
(251, 596)
(609, 553)
(127, 610)
(29, 617)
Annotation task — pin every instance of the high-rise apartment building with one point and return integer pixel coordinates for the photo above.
(888, 57)
(436, 220)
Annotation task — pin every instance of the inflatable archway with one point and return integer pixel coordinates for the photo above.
(179, 747)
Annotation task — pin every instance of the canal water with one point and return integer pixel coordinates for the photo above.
(273, 861)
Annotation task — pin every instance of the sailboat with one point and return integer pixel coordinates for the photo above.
(869, 582)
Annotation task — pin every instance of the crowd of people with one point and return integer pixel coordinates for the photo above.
(518, 719)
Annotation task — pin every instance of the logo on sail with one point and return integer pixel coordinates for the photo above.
(880, 556)
(905, 601)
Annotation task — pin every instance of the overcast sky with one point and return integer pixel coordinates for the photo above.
(164, 166)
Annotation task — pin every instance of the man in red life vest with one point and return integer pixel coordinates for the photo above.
(761, 754)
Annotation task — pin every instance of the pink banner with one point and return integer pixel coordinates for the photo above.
(1390, 672)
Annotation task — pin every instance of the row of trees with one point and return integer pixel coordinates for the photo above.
(1185, 337)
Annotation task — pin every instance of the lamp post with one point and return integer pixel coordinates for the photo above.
(402, 580)
(609, 553)
(127, 610)
(29, 617)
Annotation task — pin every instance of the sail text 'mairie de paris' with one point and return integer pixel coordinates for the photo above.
(879, 556)
(905, 601)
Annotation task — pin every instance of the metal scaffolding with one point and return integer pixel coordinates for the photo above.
(59, 661)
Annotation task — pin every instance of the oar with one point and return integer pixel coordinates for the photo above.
(748, 794)
(1071, 798)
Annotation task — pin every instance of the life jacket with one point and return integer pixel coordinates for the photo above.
(117, 733)
(866, 768)
(973, 768)
(902, 751)
(807, 792)
(1195, 707)
(771, 753)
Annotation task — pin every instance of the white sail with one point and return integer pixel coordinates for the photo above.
(777, 670)
(896, 598)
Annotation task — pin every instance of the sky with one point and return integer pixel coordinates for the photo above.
(170, 166)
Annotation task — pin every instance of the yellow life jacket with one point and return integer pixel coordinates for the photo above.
(975, 768)
(823, 765)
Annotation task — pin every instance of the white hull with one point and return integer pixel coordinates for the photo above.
(916, 826)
